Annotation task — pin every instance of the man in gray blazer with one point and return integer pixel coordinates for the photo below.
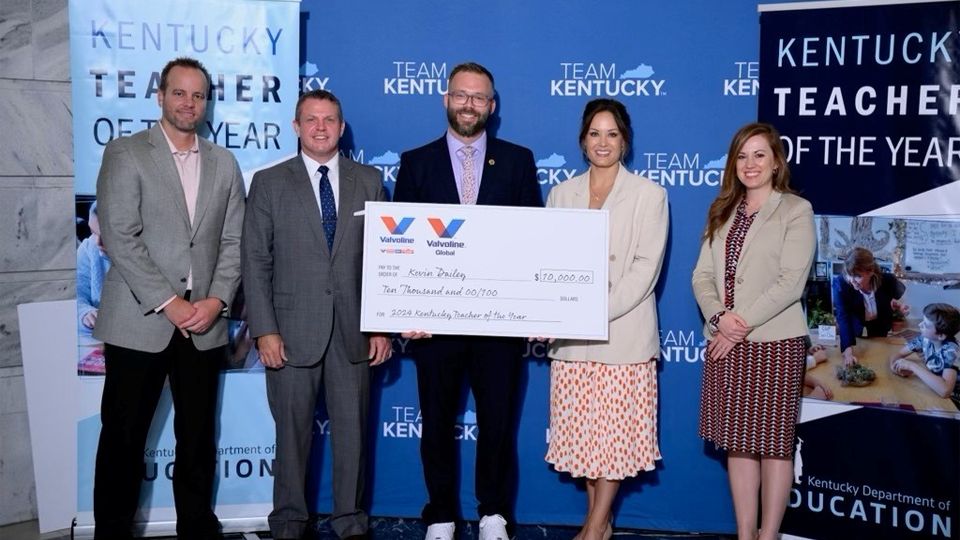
(302, 253)
(171, 209)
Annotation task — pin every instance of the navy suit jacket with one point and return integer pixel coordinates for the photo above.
(850, 313)
(509, 176)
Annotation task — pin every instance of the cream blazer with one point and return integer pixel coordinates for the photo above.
(771, 274)
(638, 236)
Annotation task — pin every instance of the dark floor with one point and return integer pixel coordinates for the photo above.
(397, 529)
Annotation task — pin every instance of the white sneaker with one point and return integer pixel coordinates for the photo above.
(440, 531)
(493, 528)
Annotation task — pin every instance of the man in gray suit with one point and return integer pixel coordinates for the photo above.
(302, 254)
(171, 209)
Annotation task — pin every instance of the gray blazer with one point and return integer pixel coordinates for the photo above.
(292, 283)
(638, 237)
(772, 271)
(147, 232)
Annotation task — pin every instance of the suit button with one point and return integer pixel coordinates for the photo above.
(328, 291)
(739, 281)
(183, 280)
(191, 244)
(613, 258)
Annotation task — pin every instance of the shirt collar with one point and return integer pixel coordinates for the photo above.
(312, 165)
(173, 149)
(455, 144)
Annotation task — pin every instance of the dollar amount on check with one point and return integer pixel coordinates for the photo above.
(485, 270)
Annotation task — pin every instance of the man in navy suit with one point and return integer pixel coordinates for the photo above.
(466, 166)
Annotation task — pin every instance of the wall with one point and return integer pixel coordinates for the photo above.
(37, 247)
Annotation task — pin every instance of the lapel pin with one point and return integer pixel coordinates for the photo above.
(491, 162)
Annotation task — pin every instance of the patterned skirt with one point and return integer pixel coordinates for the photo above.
(750, 400)
(603, 419)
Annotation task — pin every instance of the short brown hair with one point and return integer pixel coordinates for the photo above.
(470, 67)
(861, 261)
(318, 94)
(184, 62)
(945, 318)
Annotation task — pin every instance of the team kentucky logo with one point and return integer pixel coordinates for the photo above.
(397, 228)
(445, 231)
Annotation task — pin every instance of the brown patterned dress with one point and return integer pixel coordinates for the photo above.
(750, 400)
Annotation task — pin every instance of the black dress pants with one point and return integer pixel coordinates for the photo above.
(131, 391)
(492, 365)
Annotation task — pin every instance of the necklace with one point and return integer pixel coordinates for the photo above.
(597, 195)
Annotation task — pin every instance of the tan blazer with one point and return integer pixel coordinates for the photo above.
(771, 274)
(638, 235)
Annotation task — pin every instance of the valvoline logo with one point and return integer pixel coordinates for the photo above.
(397, 228)
(445, 231)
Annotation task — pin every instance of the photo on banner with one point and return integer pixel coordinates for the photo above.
(872, 281)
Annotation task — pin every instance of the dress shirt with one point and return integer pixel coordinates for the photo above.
(479, 157)
(188, 167)
(333, 175)
(869, 305)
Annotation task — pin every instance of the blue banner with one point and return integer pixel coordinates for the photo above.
(688, 73)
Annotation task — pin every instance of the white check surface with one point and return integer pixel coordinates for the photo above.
(485, 270)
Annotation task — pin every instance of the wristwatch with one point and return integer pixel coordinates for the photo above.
(714, 321)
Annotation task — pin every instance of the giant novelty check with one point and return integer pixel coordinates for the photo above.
(485, 270)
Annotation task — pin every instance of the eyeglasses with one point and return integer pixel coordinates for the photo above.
(461, 98)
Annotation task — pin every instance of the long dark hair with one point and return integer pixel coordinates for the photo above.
(620, 117)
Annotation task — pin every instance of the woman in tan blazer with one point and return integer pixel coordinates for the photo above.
(603, 394)
(755, 256)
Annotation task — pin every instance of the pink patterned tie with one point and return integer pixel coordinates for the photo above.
(468, 181)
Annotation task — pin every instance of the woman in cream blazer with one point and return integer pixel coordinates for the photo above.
(754, 260)
(603, 394)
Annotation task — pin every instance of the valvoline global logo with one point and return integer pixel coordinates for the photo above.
(445, 231)
(395, 228)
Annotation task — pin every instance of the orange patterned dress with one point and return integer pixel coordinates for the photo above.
(603, 419)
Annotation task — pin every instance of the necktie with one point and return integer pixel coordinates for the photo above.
(327, 206)
(468, 181)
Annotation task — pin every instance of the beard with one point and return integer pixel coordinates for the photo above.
(467, 130)
(183, 125)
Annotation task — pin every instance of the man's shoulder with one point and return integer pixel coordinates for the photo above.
(502, 146)
(284, 168)
(215, 149)
(138, 140)
(364, 173)
(355, 167)
(422, 152)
